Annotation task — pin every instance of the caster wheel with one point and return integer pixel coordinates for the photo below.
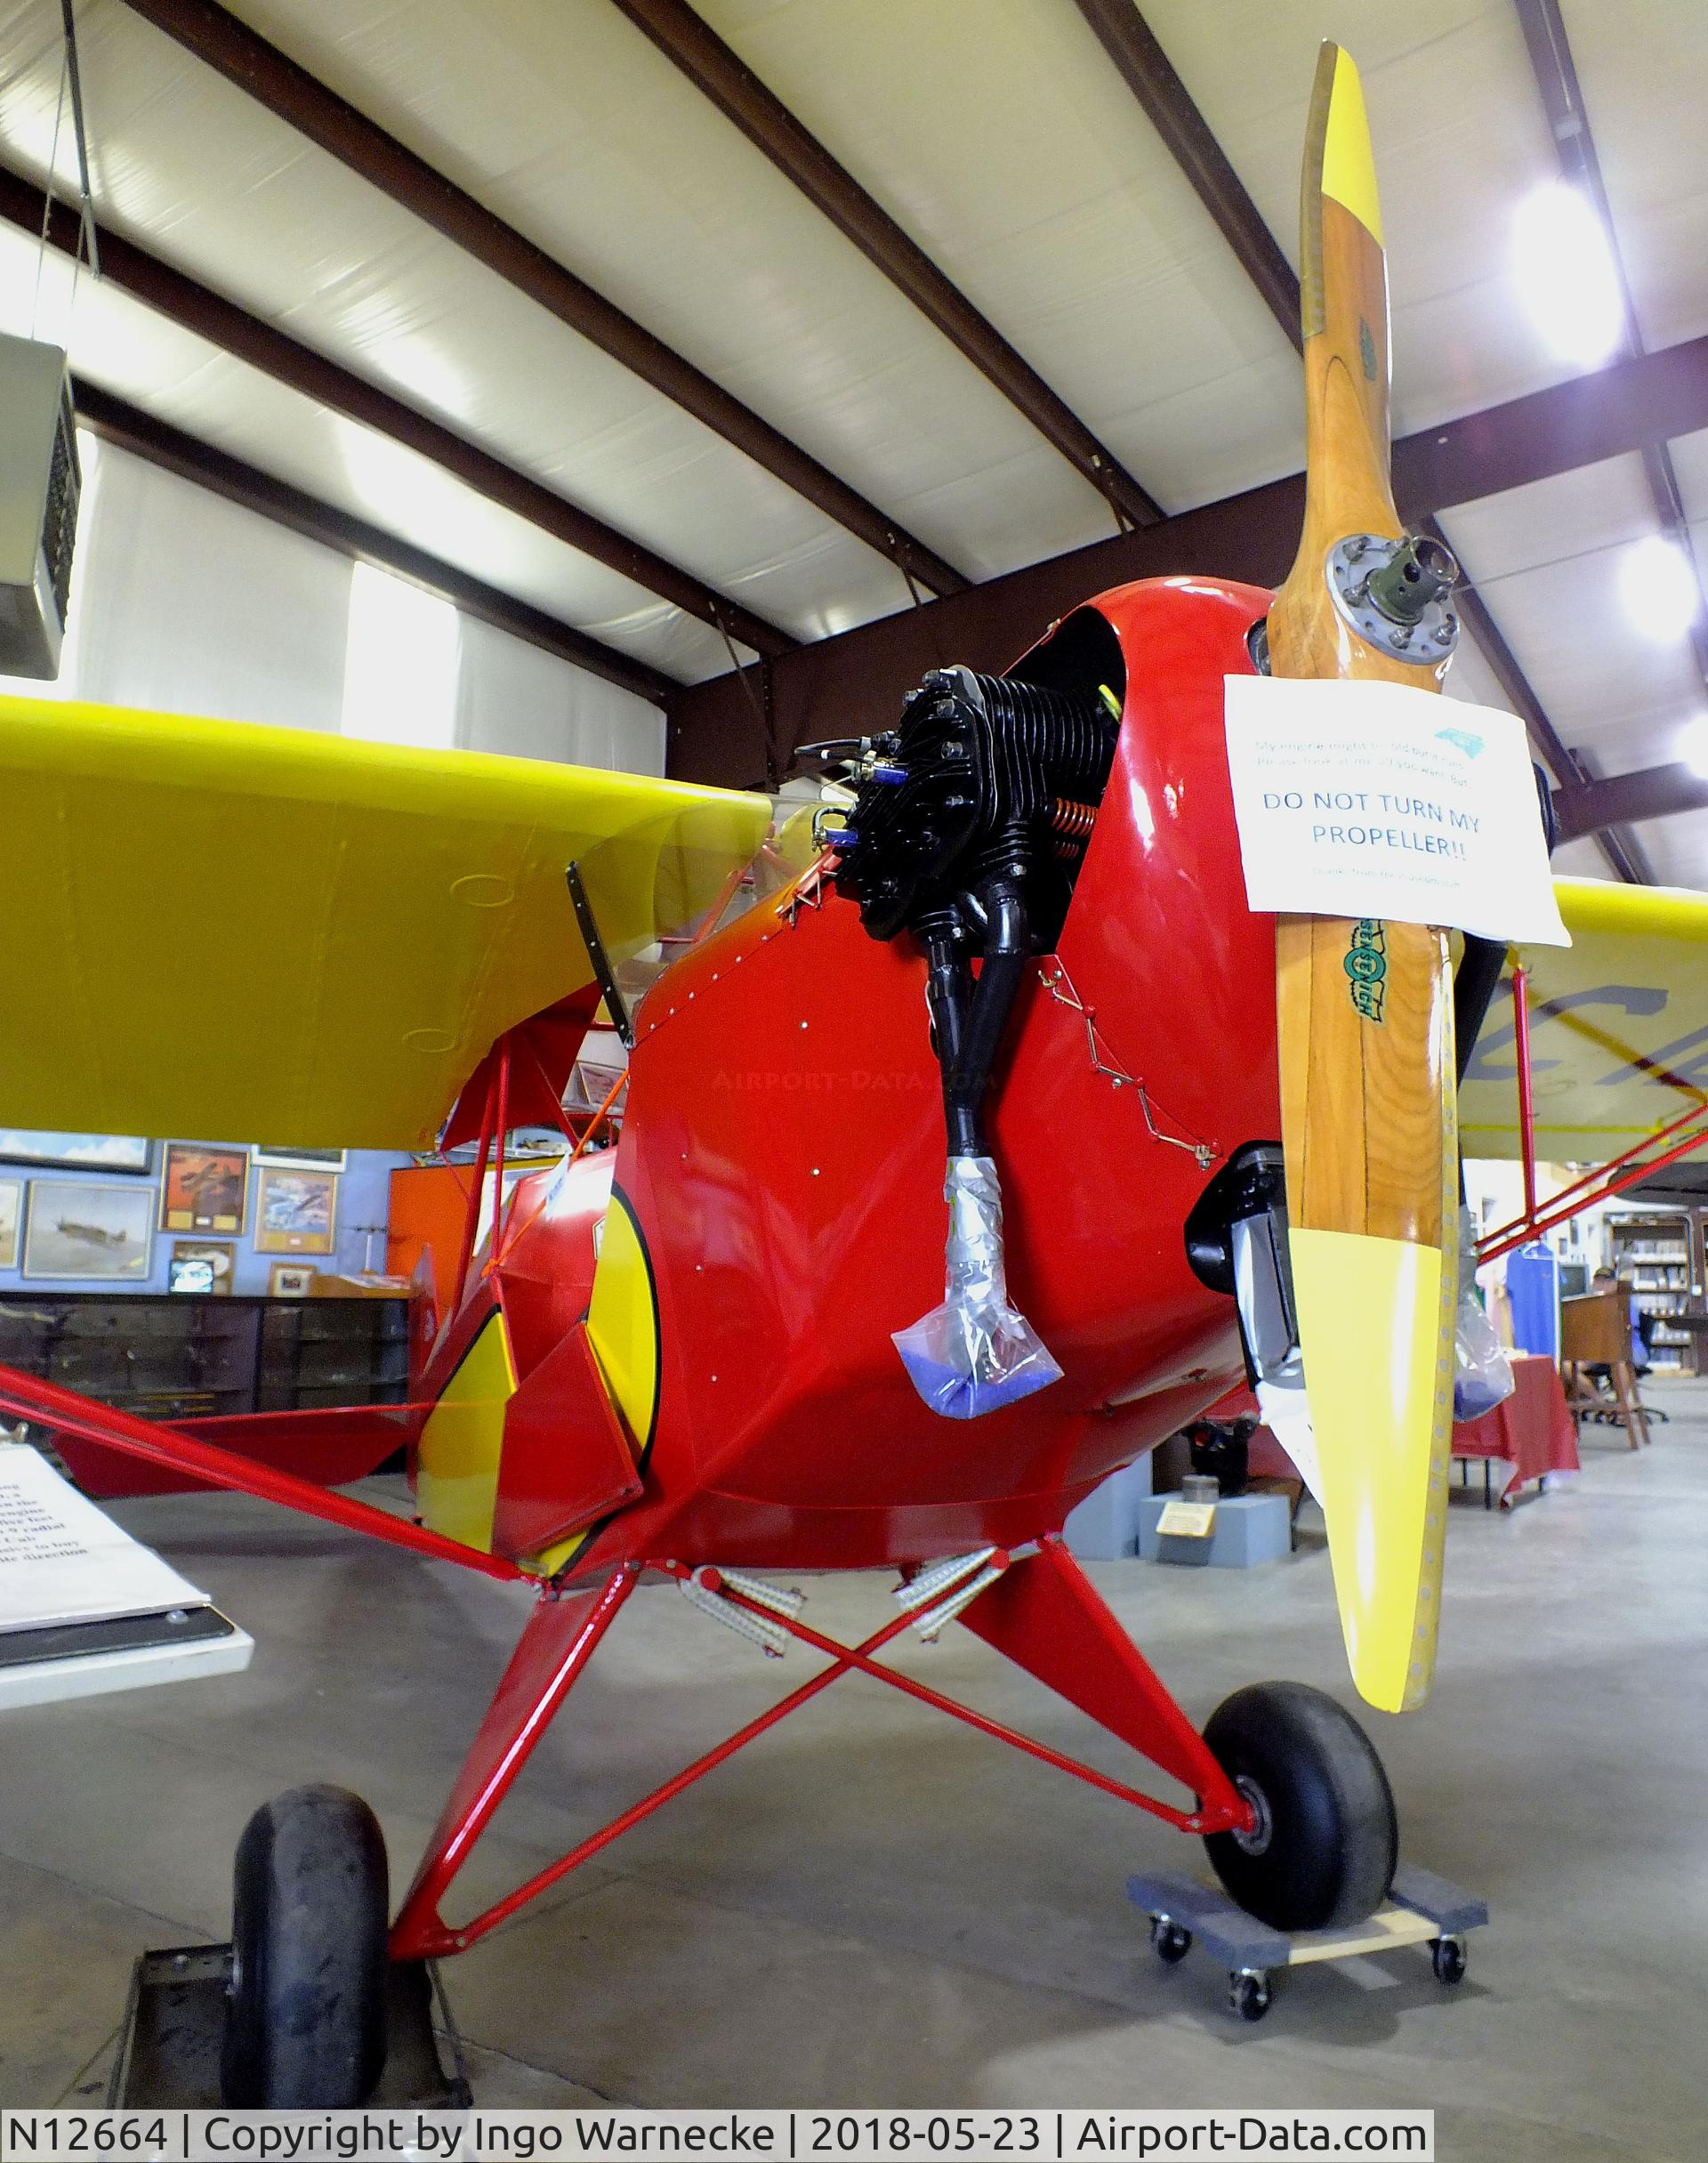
(1324, 1844)
(1448, 1955)
(305, 2024)
(1173, 1940)
(1248, 1994)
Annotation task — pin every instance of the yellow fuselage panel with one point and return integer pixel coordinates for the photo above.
(623, 1321)
(456, 1482)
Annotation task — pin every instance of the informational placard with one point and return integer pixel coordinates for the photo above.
(62, 1560)
(1188, 1519)
(1376, 801)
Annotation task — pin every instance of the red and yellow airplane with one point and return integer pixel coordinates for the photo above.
(698, 1353)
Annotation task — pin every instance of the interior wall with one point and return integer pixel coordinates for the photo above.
(364, 1191)
(193, 605)
(182, 602)
(513, 697)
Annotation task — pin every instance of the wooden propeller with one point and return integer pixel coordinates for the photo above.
(1364, 1010)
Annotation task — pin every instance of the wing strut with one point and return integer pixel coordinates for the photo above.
(615, 1006)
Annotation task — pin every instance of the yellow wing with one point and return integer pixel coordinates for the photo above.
(1618, 1027)
(216, 928)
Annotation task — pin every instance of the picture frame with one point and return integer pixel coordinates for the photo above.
(220, 1257)
(291, 1279)
(204, 1187)
(105, 1233)
(296, 1212)
(301, 1159)
(130, 1154)
(11, 1220)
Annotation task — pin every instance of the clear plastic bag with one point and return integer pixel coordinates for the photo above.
(975, 1351)
(1482, 1367)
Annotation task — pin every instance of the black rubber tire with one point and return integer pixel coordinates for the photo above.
(305, 2027)
(1171, 1942)
(1447, 1956)
(1333, 1837)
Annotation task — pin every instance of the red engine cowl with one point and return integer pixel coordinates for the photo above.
(784, 1154)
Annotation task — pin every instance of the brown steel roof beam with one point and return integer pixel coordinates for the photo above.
(1145, 69)
(856, 680)
(1655, 791)
(263, 346)
(737, 93)
(116, 420)
(298, 97)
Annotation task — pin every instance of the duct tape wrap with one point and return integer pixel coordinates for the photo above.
(975, 1351)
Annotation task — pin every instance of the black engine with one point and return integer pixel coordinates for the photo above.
(982, 776)
(969, 826)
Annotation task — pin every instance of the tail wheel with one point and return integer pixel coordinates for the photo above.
(1321, 1850)
(305, 2028)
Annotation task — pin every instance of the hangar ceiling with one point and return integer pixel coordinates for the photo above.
(770, 333)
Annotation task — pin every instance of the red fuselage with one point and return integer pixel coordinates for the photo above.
(783, 1152)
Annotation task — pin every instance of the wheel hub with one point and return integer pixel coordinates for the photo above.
(1256, 1838)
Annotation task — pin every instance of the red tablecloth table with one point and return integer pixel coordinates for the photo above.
(1532, 1431)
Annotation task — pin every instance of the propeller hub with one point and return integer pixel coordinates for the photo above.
(1394, 594)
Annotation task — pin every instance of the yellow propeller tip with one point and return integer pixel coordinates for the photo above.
(1348, 163)
(1379, 1381)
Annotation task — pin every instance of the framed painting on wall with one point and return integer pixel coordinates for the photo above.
(11, 1220)
(301, 1159)
(104, 1232)
(296, 1212)
(202, 1265)
(204, 1188)
(291, 1279)
(76, 1152)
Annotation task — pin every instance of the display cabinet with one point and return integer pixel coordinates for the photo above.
(1659, 1254)
(173, 1357)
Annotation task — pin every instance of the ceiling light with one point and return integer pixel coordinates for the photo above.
(1565, 269)
(1657, 584)
(1693, 747)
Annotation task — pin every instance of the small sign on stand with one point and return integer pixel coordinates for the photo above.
(84, 1607)
(1188, 1519)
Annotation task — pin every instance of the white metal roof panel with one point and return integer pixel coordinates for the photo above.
(129, 350)
(1003, 141)
(568, 124)
(199, 173)
(1460, 138)
(1548, 560)
(1643, 70)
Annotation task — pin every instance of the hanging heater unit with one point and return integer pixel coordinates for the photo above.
(40, 484)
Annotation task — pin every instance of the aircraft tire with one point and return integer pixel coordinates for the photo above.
(305, 2024)
(1323, 1851)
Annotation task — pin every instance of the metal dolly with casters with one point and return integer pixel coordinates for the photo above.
(1420, 1909)
(169, 2042)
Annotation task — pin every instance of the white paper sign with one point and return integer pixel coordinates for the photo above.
(62, 1560)
(1378, 800)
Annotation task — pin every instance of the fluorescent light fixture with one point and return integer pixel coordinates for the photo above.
(400, 663)
(1565, 269)
(1657, 584)
(1693, 747)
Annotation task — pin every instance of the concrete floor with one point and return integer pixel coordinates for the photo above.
(873, 1906)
